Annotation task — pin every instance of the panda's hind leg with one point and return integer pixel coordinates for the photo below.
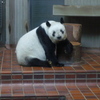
(34, 62)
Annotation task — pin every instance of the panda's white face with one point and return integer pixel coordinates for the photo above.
(57, 32)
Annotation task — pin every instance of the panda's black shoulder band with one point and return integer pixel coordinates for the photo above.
(44, 39)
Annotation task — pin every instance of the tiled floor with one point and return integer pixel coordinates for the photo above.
(77, 81)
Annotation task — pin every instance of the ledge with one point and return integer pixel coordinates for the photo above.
(75, 10)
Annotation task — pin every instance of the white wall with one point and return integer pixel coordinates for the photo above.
(16, 20)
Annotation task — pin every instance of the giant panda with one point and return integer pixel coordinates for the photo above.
(37, 47)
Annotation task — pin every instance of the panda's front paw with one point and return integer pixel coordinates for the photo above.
(59, 65)
(48, 65)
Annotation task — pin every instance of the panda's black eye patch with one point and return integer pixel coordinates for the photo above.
(53, 33)
(62, 31)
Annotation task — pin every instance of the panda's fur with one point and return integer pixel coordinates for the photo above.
(37, 47)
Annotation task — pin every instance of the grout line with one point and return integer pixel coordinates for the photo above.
(11, 74)
(56, 88)
(43, 75)
(43, 69)
(1, 70)
(78, 87)
(84, 69)
(90, 65)
(2, 60)
(73, 68)
(94, 59)
(63, 69)
(11, 60)
(34, 90)
(92, 91)
(97, 79)
(53, 69)
(23, 88)
(45, 89)
(69, 92)
(80, 91)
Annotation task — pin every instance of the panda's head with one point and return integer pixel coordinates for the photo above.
(55, 30)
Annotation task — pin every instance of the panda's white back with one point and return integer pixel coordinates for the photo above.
(29, 47)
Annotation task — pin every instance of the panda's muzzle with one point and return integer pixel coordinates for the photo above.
(59, 37)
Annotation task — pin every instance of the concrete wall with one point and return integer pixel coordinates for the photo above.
(90, 25)
(82, 2)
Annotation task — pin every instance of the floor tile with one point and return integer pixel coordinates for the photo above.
(75, 81)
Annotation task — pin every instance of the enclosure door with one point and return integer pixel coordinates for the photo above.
(42, 10)
(2, 22)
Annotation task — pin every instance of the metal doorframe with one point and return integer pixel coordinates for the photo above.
(3, 23)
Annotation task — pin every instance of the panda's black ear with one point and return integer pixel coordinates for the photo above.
(61, 20)
(48, 24)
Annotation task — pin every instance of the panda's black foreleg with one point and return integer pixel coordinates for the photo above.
(49, 47)
(68, 47)
(52, 59)
(34, 62)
